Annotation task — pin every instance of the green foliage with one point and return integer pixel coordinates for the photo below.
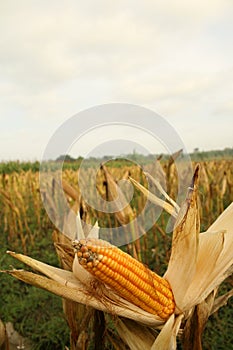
(198, 156)
(119, 162)
(17, 167)
(48, 318)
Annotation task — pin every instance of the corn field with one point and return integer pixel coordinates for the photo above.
(26, 228)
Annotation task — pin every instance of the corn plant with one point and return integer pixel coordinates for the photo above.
(99, 276)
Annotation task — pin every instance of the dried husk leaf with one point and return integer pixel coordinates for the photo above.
(68, 258)
(79, 229)
(64, 249)
(208, 273)
(82, 274)
(70, 224)
(166, 339)
(94, 232)
(214, 260)
(224, 221)
(136, 336)
(90, 231)
(54, 273)
(63, 283)
(182, 263)
(77, 315)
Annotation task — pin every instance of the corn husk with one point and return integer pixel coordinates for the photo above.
(136, 336)
(182, 263)
(66, 285)
(167, 337)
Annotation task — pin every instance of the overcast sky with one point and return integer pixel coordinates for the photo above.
(60, 57)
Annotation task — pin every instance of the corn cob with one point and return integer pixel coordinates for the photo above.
(127, 276)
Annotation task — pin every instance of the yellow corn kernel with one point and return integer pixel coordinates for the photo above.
(126, 276)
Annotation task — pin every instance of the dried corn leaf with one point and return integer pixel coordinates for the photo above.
(154, 199)
(221, 301)
(70, 191)
(122, 210)
(163, 192)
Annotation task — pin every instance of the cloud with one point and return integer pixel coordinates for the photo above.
(59, 57)
(50, 42)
